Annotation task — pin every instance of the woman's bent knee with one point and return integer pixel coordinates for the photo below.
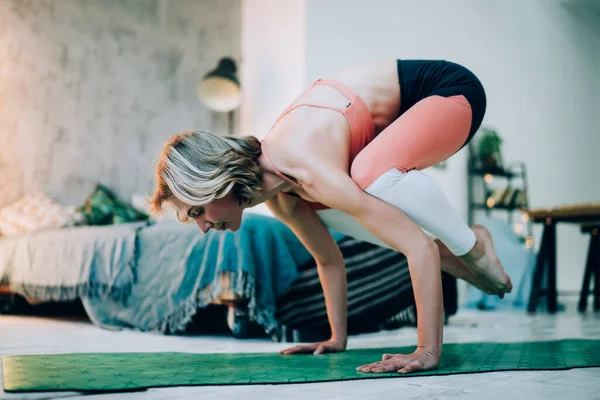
(365, 170)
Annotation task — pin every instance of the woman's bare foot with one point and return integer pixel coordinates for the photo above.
(456, 267)
(484, 263)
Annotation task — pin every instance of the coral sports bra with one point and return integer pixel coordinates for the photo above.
(362, 128)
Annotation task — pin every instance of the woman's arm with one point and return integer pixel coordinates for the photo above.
(309, 229)
(334, 188)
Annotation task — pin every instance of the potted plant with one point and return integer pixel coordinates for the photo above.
(489, 149)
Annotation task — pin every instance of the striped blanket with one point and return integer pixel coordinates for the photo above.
(380, 295)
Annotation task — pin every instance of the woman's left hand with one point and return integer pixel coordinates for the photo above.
(420, 360)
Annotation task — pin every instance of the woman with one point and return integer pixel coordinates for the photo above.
(355, 144)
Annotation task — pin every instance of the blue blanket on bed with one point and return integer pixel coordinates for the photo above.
(176, 263)
(154, 276)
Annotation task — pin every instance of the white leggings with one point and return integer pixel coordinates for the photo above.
(421, 200)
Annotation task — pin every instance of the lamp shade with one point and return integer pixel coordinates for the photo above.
(220, 90)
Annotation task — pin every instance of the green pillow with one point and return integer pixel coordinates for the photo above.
(102, 207)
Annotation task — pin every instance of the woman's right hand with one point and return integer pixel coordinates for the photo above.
(317, 239)
(330, 346)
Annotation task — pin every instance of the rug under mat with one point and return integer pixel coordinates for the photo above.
(130, 371)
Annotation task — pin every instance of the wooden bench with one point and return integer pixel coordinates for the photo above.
(545, 268)
(592, 267)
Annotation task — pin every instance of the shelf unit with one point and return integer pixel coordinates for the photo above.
(499, 190)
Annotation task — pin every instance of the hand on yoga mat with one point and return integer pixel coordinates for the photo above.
(330, 346)
(420, 360)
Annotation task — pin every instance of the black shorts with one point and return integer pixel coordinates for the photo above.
(423, 78)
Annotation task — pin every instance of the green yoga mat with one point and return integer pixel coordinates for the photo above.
(128, 371)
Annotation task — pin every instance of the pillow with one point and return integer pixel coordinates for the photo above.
(33, 212)
(102, 207)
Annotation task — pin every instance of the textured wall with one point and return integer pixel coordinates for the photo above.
(90, 89)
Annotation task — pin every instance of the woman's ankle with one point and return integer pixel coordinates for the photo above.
(477, 251)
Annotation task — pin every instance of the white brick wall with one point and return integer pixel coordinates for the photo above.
(89, 90)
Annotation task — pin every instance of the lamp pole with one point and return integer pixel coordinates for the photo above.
(230, 122)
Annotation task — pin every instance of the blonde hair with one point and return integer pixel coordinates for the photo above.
(199, 167)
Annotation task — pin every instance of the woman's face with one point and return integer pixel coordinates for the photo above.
(221, 214)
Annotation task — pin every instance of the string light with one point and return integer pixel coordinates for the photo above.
(488, 178)
(529, 242)
(490, 202)
(518, 228)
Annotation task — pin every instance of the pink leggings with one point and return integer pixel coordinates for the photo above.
(427, 133)
(389, 166)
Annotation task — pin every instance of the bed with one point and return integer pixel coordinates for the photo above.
(169, 278)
